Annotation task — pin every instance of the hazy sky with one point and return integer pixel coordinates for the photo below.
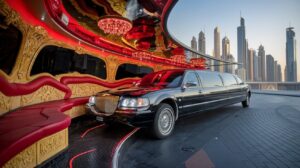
(265, 20)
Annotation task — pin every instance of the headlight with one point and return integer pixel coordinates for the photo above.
(92, 100)
(134, 102)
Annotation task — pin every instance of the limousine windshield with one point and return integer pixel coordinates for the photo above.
(167, 79)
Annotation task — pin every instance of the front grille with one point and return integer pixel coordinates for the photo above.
(107, 104)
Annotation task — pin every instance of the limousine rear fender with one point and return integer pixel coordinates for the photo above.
(171, 100)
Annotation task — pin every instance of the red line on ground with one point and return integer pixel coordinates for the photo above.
(119, 144)
(76, 156)
(90, 129)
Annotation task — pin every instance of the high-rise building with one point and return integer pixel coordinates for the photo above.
(217, 48)
(279, 73)
(241, 45)
(291, 57)
(229, 68)
(255, 66)
(225, 46)
(250, 61)
(275, 71)
(201, 43)
(262, 64)
(270, 68)
(194, 46)
(226, 54)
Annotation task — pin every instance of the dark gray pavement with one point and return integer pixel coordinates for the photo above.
(265, 135)
(293, 93)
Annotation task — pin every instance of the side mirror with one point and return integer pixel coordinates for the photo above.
(189, 84)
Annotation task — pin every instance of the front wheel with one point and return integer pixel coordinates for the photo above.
(246, 102)
(164, 121)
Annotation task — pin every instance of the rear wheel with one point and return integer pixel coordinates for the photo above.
(164, 121)
(246, 102)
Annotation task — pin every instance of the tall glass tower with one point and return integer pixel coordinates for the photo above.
(217, 48)
(194, 46)
(241, 44)
(291, 59)
(201, 43)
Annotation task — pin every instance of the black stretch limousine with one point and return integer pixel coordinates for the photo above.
(160, 98)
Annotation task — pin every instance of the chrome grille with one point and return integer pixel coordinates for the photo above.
(107, 104)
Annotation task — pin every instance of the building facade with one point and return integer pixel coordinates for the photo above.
(201, 43)
(241, 46)
(255, 66)
(194, 46)
(250, 68)
(291, 57)
(226, 54)
(262, 63)
(217, 48)
(270, 68)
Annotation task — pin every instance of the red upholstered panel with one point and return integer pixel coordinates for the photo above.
(76, 80)
(16, 89)
(23, 127)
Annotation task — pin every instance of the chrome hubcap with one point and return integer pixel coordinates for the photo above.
(166, 121)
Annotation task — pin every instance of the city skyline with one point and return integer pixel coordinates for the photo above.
(266, 26)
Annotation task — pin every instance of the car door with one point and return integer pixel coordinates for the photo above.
(232, 89)
(213, 91)
(190, 93)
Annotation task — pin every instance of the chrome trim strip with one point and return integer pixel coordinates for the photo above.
(133, 112)
(197, 104)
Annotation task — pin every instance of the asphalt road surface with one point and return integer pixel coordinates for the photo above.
(265, 135)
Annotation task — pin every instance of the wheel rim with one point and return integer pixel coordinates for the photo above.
(166, 121)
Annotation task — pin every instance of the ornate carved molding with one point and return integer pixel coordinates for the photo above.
(4, 103)
(112, 64)
(26, 158)
(51, 145)
(118, 6)
(45, 93)
(85, 89)
(40, 151)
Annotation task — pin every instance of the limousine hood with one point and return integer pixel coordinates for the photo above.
(133, 91)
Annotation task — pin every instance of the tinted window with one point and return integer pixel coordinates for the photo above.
(56, 60)
(210, 79)
(191, 78)
(10, 41)
(228, 79)
(131, 71)
(168, 79)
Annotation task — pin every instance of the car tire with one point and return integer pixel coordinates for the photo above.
(164, 121)
(246, 102)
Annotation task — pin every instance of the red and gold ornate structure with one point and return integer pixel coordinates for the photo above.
(46, 102)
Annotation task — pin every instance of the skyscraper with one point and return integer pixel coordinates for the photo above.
(270, 68)
(225, 46)
(291, 57)
(194, 46)
(275, 71)
(241, 44)
(255, 66)
(226, 52)
(217, 48)
(201, 43)
(250, 61)
(279, 73)
(262, 57)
